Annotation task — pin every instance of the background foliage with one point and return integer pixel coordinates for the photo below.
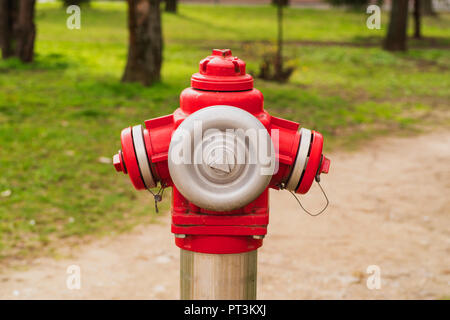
(61, 117)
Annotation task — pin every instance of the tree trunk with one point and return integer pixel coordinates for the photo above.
(17, 29)
(279, 54)
(417, 13)
(396, 35)
(284, 3)
(8, 10)
(145, 42)
(75, 2)
(25, 31)
(427, 8)
(171, 6)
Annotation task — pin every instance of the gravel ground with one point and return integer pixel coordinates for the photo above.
(389, 208)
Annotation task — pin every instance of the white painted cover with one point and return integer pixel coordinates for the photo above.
(214, 164)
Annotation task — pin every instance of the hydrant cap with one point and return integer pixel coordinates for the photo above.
(222, 72)
(223, 170)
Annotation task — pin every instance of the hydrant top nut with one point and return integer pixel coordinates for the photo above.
(222, 72)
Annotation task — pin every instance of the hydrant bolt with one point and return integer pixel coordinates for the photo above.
(259, 237)
(119, 163)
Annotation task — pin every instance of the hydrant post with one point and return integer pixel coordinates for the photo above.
(220, 152)
(205, 276)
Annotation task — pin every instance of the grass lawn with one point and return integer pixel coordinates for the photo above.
(62, 114)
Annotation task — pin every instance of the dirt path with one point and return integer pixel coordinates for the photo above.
(389, 207)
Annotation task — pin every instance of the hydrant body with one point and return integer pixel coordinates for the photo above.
(217, 207)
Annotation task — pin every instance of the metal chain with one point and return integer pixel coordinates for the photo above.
(157, 196)
(282, 186)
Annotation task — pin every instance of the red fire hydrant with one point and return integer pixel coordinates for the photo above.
(221, 151)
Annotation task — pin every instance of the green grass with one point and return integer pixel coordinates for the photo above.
(59, 115)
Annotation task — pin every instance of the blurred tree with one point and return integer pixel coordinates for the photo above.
(417, 14)
(279, 55)
(427, 8)
(145, 42)
(272, 67)
(284, 3)
(350, 3)
(17, 29)
(75, 2)
(171, 6)
(396, 36)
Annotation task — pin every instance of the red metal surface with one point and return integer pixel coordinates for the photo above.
(117, 161)
(313, 163)
(221, 81)
(192, 100)
(218, 244)
(129, 157)
(286, 147)
(325, 166)
(222, 72)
